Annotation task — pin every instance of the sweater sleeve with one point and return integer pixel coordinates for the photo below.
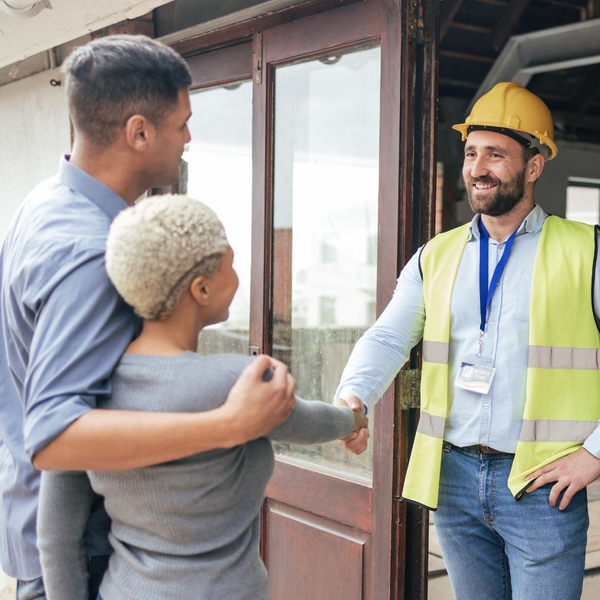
(64, 507)
(313, 422)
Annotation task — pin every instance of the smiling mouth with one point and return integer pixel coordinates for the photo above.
(484, 186)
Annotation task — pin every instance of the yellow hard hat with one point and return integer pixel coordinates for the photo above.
(510, 109)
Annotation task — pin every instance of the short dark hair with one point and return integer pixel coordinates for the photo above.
(111, 79)
(528, 153)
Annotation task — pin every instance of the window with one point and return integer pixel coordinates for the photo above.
(327, 310)
(583, 200)
(326, 184)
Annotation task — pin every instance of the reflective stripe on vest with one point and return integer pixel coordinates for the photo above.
(431, 425)
(436, 352)
(553, 357)
(541, 430)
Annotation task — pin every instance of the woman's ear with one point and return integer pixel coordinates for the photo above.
(199, 290)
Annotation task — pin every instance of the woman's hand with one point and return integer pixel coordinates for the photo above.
(360, 421)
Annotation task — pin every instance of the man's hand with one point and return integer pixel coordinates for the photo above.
(256, 406)
(358, 440)
(352, 401)
(571, 473)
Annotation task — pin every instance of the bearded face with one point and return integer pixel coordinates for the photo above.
(489, 195)
(495, 172)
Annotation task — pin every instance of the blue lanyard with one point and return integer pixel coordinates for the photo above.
(486, 294)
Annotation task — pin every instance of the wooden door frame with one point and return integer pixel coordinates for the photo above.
(407, 31)
(351, 26)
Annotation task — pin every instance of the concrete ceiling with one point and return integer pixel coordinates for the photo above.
(65, 21)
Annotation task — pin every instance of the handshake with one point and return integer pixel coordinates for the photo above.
(357, 441)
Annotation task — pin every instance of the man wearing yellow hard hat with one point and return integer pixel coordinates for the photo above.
(508, 310)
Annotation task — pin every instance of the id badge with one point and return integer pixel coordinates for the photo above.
(475, 377)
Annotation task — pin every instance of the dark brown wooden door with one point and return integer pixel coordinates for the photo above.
(336, 128)
(342, 159)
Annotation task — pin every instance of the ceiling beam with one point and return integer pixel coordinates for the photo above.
(493, 2)
(458, 83)
(507, 21)
(466, 56)
(575, 5)
(572, 4)
(470, 27)
(449, 10)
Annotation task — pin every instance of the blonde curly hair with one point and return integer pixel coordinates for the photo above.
(158, 246)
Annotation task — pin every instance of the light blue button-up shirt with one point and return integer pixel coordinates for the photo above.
(63, 330)
(494, 419)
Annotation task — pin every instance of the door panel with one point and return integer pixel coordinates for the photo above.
(293, 536)
(323, 494)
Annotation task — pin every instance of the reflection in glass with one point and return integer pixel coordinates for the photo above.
(326, 169)
(219, 161)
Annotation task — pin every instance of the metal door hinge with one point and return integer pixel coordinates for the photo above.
(410, 389)
(420, 21)
(257, 57)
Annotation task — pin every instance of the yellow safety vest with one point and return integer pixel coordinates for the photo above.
(562, 404)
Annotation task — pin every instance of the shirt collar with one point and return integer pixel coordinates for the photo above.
(532, 223)
(83, 183)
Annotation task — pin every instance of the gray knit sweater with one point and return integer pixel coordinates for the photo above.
(189, 529)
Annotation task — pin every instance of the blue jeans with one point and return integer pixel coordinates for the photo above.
(97, 567)
(498, 548)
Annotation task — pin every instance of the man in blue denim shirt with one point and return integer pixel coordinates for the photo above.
(495, 548)
(63, 325)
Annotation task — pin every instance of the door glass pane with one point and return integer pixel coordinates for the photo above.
(326, 163)
(219, 173)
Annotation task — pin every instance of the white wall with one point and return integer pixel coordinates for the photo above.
(68, 19)
(34, 132)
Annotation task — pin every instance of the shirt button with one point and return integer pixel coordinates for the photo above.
(486, 405)
(500, 246)
(489, 365)
(493, 324)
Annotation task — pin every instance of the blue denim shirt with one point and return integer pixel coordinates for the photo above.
(63, 330)
(494, 419)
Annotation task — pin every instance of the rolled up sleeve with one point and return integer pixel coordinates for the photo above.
(82, 328)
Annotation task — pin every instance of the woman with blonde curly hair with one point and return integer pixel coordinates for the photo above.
(188, 529)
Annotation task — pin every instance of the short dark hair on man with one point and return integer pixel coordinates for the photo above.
(111, 79)
(528, 153)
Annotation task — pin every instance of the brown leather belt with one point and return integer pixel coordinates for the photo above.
(486, 450)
